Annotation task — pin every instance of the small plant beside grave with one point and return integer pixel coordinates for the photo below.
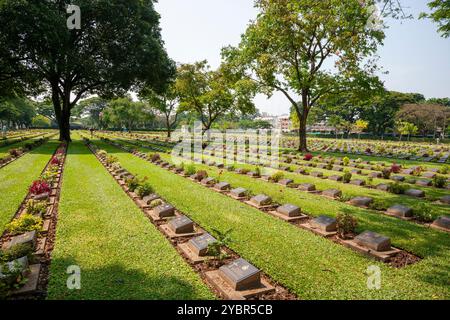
(190, 169)
(277, 176)
(36, 207)
(110, 160)
(144, 189)
(347, 177)
(39, 187)
(439, 181)
(423, 213)
(223, 239)
(397, 188)
(134, 182)
(346, 225)
(26, 222)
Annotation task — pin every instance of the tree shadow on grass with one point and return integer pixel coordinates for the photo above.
(117, 282)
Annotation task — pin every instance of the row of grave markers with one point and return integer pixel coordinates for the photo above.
(236, 280)
(34, 270)
(370, 243)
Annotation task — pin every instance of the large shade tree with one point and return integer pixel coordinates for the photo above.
(117, 48)
(306, 49)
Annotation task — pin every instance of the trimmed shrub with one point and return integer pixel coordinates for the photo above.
(346, 224)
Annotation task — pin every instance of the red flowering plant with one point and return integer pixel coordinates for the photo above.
(55, 161)
(308, 157)
(396, 168)
(39, 187)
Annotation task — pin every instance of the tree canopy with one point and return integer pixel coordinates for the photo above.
(291, 44)
(117, 48)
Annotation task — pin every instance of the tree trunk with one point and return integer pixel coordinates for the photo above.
(169, 131)
(64, 126)
(303, 146)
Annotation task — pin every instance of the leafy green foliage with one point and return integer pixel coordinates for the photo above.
(346, 224)
(25, 223)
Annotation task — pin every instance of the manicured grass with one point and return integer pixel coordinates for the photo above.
(312, 267)
(378, 159)
(16, 178)
(4, 150)
(120, 253)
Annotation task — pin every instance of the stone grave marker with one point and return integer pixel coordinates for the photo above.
(222, 186)
(289, 210)
(181, 225)
(335, 178)
(241, 275)
(25, 238)
(316, 174)
(445, 199)
(361, 201)
(374, 241)
(307, 187)
(285, 182)
(261, 200)
(324, 223)
(375, 174)
(398, 178)
(424, 183)
(239, 192)
(400, 211)
(208, 181)
(199, 245)
(382, 187)
(164, 211)
(442, 222)
(332, 193)
(429, 175)
(358, 182)
(415, 193)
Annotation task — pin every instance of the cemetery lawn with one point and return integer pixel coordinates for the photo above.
(120, 253)
(380, 159)
(310, 266)
(17, 177)
(348, 190)
(4, 150)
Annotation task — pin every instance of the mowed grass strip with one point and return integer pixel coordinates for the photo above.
(16, 178)
(311, 266)
(4, 151)
(121, 255)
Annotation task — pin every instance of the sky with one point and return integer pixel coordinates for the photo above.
(416, 58)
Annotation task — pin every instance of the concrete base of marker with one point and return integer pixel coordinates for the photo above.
(266, 207)
(309, 227)
(228, 293)
(191, 255)
(384, 256)
(286, 218)
(157, 218)
(172, 235)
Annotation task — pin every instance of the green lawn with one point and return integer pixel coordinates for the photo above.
(312, 267)
(16, 178)
(120, 253)
(4, 150)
